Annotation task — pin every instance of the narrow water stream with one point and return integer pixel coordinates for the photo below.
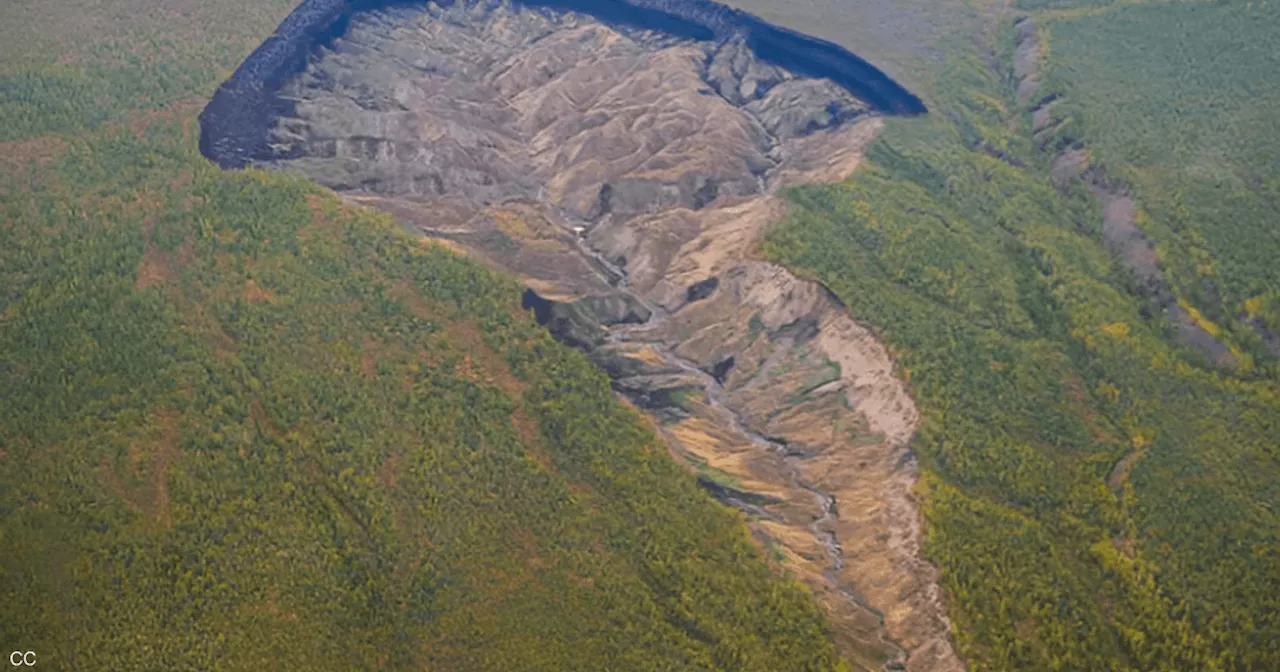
(822, 526)
(343, 91)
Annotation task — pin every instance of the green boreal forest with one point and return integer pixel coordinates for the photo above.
(1188, 124)
(1099, 496)
(243, 426)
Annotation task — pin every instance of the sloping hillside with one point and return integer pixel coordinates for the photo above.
(625, 175)
(244, 426)
(1100, 430)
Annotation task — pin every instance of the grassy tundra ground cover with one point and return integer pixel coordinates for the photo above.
(1097, 496)
(242, 426)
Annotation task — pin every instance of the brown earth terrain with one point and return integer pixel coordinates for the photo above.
(626, 177)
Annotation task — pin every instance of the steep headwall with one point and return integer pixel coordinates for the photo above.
(236, 125)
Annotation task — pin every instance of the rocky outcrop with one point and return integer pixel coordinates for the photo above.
(626, 175)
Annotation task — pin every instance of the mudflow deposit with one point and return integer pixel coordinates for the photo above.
(626, 175)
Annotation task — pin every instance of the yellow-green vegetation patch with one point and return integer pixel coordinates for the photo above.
(70, 66)
(1178, 100)
(1039, 375)
(243, 426)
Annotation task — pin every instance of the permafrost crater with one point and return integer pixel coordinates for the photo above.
(624, 163)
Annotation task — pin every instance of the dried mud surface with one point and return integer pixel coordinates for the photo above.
(627, 176)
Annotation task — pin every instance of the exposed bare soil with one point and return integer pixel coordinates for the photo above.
(627, 179)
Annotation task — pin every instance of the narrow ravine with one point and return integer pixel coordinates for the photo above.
(822, 525)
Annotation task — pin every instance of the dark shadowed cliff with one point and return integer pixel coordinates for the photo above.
(235, 127)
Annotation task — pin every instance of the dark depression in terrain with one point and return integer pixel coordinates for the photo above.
(622, 160)
(237, 124)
